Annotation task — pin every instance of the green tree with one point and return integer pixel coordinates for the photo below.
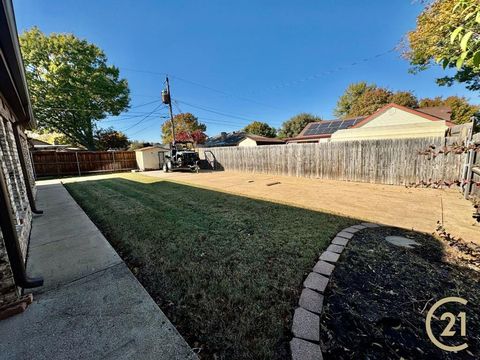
(53, 138)
(71, 85)
(363, 99)
(431, 102)
(404, 98)
(138, 144)
(185, 122)
(110, 139)
(448, 33)
(370, 101)
(462, 110)
(351, 95)
(296, 124)
(261, 129)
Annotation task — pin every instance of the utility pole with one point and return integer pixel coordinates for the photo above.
(167, 99)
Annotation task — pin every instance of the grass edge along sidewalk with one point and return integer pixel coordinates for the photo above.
(227, 270)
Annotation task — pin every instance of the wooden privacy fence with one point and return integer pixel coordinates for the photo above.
(53, 163)
(395, 162)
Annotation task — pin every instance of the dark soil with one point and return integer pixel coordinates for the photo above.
(379, 296)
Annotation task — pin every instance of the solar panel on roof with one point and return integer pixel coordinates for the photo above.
(329, 127)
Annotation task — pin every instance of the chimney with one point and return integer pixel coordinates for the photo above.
(223, 135)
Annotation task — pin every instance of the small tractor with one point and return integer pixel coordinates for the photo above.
(182, 156)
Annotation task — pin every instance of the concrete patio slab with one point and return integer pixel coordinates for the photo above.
(58, 228)
(106, 315)
(81, 256)
(91, 306)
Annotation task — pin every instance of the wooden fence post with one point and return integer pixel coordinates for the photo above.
(78, 164)
(56, 163)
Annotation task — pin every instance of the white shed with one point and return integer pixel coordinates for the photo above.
(150, 157)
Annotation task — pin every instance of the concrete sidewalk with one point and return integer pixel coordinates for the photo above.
(91, 305)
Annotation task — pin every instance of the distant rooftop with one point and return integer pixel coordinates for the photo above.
(234, 138)
(225, 139)
(325, 128)
(441, 112)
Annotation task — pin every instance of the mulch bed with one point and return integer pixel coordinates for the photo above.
(379, 296)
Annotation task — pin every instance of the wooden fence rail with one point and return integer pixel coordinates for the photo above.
(394, 162)
(53, 163)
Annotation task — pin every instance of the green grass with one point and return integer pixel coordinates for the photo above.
(227, 270)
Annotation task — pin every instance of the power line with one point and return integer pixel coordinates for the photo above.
(213, 111)
(278, 86)
(223, 122)
(328, 72)
(145, 104)
(202, 86)
(129, 117)
(143, 119)
(175, 102)
(146, 127)
(87, 109)
(225, 93)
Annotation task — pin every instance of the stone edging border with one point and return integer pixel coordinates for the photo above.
(306, 320)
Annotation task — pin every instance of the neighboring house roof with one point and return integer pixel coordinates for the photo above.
(36, 142)
(49, 147)
(400, 107)
(441, 112)
(234, 138)
(225, 139)
(263, 139)
(394, 122)
(152, 147)
(324, 129)
(13, 83)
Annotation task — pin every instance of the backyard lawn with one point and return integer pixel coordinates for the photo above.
(227, 270)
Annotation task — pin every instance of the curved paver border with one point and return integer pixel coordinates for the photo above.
(306, 319)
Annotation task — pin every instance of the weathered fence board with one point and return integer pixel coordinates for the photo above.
(376, 161)
(53, 163)
(475, 177)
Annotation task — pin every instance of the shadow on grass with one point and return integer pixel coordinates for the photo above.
(227, 270)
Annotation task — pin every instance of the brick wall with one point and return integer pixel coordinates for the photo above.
(8, 290)
(12, 172)
(29, 164)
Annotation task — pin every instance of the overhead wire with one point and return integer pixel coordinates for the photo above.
(200, 85)
(213, 111)
(87, 109)
(146, 127)
(129, 117)
(278, 86)
(144, 118)
(324, 73)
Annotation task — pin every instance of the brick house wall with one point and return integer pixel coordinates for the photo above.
(16, 115)
(12, 172)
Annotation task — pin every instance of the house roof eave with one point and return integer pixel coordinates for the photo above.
(13, 84)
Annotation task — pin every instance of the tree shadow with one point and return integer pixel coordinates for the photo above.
(228, 270)
(378, 301)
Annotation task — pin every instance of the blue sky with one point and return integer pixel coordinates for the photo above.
(232, 62)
